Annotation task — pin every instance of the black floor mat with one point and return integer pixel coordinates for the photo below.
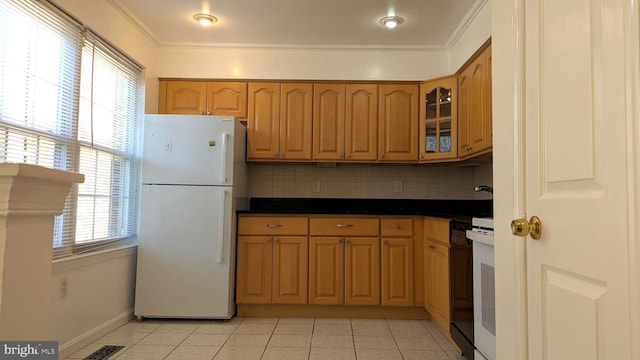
(104, 352)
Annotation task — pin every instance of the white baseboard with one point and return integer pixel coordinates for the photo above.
(94, 334)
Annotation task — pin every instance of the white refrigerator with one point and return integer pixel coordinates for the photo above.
(194, 178)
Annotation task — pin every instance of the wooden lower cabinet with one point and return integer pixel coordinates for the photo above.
(326, 270)
(362, 271)
(272, 270)
(253, 278)
(436, 284)
(344, 271)
(397, 272)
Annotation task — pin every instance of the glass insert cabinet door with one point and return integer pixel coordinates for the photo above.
(438, 119)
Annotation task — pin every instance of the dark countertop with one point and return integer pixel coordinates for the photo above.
(462, 210)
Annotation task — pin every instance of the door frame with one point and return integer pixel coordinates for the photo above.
(509, 172)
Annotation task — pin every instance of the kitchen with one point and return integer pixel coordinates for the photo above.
(193, 62)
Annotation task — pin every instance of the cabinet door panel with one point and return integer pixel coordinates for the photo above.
(186, 97)
(429, 276)
(442, 308)
(464, 89)
(295, 121)
(362, 271)
(361, 128)
(290, 270)
(398, 122)
(477, 106)
(227, 98)
(328, 121)
(263, 123)
(489, 86)
(254, 270)
(397, 272)
(326, 270)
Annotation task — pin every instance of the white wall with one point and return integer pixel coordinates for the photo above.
(99, 298)
(104, 19)
(478, 31)
(305, 64)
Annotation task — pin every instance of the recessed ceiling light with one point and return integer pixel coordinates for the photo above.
(391, 21)
(205, 19)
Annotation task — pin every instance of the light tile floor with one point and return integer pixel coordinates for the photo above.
(277, 339)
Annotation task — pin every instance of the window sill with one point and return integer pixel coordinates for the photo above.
(77, 261)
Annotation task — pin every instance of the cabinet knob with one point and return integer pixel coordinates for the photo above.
(276, 240)
(347, 241)
(208, 112)
(201, 112)
(268, 240)
(275, 155)
(381, 156)
(273, 226)
(421, 156)
(386, 242)
(343, 225)
(398, 227)
(432, 247)
(340, 241)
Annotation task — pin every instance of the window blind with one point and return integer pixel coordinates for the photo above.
(71, 101)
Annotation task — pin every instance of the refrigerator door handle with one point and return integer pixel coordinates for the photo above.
(223, 202)
(223, 172)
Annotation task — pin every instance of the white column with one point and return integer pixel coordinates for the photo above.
(30, 197)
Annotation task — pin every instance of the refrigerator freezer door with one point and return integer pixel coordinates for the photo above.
(185, 267)
(188, 150)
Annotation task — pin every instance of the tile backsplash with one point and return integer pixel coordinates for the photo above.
(369, 181)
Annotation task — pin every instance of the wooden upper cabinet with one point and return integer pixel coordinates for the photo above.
(464, 89)
(227, 98)
(328, 121)
(361, 122)
(398, 123)
(438, 119)
(184, 97)
(489, 115)
(345, 120)
(474, 106)
(203, 98)
(296, 102)
(263, 121)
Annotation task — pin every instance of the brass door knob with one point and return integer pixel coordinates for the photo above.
(520, 227)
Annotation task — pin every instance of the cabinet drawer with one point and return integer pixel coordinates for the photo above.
(396, 227)
(436, 229)
(343, 226)
(272, 225)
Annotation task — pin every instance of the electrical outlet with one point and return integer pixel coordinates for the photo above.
(64, 287)
(316, 186)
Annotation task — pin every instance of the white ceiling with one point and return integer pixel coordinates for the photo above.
(428, 24)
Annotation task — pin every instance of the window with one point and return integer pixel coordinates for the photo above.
(68, 100)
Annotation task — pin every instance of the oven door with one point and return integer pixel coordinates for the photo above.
(484, 293)
(462, 292)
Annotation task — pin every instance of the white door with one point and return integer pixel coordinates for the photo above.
(572, 115)
(188, 149)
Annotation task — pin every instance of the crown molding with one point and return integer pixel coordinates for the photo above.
(465, 23)
(302, 46)
(135, 21)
